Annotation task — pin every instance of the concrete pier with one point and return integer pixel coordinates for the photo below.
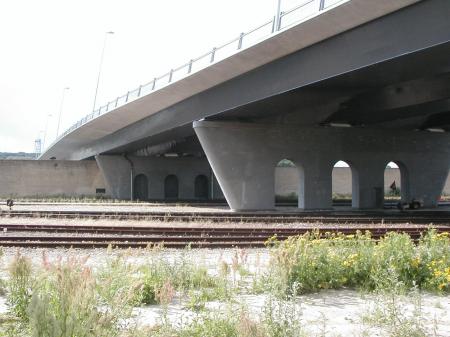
(244, 155)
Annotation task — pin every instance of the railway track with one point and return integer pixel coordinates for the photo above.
(236, 229)
(325, 217)
(51, 236)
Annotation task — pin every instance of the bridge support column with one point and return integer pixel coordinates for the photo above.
(368, 183)
(244, 155)
(315, 185)
(426, 179)
(245, 174)
(117, 173)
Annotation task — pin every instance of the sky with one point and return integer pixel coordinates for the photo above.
(48, 45)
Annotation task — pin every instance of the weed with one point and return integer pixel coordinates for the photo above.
(20, 286)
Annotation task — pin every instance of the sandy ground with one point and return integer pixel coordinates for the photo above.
(328, 313)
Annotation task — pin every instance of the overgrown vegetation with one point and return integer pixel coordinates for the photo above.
(311, 262)
(67, 297)
(184, 277)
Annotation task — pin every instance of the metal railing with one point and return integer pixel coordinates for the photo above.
(299, 13)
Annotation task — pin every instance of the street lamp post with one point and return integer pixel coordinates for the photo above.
(61, 109)
(45, 132)
(100, 67)
(278, 16)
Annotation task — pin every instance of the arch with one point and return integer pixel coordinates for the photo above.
(140, 187)
(396, 182)
(201, 187)
(287, 182)
(171, 187)
(344, 184)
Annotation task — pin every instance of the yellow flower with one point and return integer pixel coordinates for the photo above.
(415, 262)
(441, 286)
(437, 273)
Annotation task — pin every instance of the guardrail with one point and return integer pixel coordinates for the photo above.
(286, 19)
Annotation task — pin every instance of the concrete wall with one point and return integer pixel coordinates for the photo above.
(30, 178)
(117, 172)
(22, 178)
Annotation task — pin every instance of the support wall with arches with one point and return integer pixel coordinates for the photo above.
(243, 157)
(166, 178)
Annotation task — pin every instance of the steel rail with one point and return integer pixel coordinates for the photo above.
(421, 217)
(203, 231)
(118, 241)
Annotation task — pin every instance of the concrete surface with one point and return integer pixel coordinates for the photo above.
(243, 157)
(32, 178)
(117, 173)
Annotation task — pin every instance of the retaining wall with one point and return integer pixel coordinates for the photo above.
(32, 178)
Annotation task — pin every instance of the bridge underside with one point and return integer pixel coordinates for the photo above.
(387, 82)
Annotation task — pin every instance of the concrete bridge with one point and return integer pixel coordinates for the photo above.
(363, 81)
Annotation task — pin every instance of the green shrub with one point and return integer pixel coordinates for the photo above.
(118, 284)
(65, 303)
(20, 286)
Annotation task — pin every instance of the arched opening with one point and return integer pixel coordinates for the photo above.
(396, 186)
(287, 183)
(342, 183)
(140, 187)
(171, 187)
(201, 187)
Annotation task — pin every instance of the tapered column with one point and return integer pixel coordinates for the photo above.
(242, 164)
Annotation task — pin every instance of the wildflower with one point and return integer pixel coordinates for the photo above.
(437, 273)
(415, 262)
